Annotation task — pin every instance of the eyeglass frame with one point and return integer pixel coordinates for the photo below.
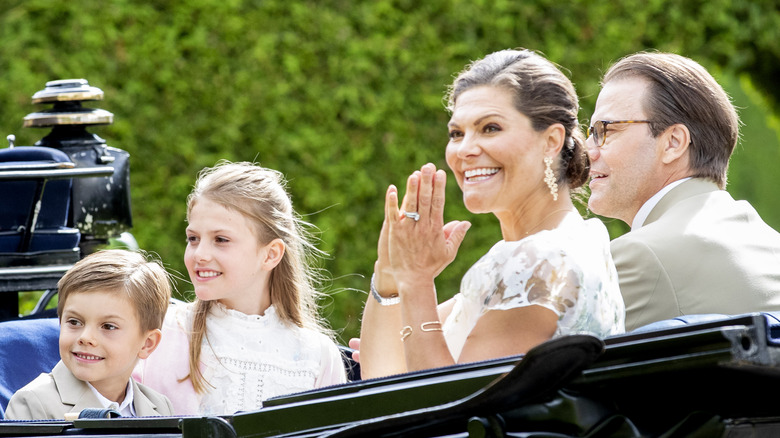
(606, 123)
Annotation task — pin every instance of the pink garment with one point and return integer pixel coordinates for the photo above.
(169, 364)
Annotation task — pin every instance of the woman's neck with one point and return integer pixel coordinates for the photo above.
(531, 220)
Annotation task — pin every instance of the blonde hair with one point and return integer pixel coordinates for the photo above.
(144, 282)
(259, 194)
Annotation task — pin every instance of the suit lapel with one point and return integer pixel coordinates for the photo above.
(144, 407)
(73, 391)
(692, 187)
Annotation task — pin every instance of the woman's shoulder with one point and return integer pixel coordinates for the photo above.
(576, 243)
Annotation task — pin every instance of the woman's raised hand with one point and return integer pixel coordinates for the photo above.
(421, 246)
(384, 280)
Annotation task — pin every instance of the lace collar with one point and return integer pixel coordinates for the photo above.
(220, 311)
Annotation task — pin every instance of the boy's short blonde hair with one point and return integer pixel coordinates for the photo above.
(144, 282)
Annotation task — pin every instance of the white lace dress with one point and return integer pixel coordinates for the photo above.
(568, 270)
(246, 358)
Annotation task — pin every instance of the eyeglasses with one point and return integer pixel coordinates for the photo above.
(598, 130)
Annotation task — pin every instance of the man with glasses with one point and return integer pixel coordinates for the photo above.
(660, 140)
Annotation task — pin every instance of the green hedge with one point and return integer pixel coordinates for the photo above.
(345, 97)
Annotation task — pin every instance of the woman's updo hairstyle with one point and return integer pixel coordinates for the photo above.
(542, 93)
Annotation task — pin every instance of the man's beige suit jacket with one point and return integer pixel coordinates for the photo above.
(699, 252)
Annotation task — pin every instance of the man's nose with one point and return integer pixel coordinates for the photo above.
(593, 151)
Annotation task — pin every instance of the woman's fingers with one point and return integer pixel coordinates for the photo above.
(422, 246)
(427, 174)
(382, 268)
(437, 197)
(412, 188)
(391, 205)
(454, 233)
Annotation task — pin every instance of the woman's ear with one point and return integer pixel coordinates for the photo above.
(150, 343)
(554, 136)
(677, 138)
(274, 251)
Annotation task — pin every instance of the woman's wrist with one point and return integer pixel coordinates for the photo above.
(383, 300)
(417, 288)
(383, 280)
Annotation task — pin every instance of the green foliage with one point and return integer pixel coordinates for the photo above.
(345, 97)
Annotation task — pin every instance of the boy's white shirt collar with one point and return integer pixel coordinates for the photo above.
(647, 207)
(125, 409)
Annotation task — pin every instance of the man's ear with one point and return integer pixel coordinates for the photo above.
(151, 342)
(676, 140)
(555, 135)
(273, 254)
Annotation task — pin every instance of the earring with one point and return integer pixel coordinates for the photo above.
(549, 178)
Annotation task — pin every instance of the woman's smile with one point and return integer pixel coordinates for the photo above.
(480, 174)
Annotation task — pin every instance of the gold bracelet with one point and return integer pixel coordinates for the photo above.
(406, 332)
(434, 329)
(425, 327)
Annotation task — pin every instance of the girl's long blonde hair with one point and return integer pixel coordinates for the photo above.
(259, 194)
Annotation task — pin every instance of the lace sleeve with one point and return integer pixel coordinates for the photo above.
(536, 270)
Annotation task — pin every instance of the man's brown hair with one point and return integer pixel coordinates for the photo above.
(682, 91)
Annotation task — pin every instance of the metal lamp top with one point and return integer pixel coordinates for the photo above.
(65, 90)
(77, 117)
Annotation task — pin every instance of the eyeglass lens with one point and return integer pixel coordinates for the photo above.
(597, 132)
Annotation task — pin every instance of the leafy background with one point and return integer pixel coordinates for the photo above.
(345, 97)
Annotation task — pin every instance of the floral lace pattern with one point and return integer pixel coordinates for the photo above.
(568, 270)
(250, 358)
(246, 359)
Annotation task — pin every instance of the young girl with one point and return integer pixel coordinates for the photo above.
(253, 331)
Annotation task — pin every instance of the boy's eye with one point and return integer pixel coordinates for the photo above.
(73, 322)
(109, 326)
(221, 240)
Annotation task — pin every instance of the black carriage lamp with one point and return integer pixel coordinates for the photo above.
(100, 207)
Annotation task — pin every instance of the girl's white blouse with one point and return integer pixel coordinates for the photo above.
(245, 358)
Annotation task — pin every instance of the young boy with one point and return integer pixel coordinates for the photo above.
(111, 308)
